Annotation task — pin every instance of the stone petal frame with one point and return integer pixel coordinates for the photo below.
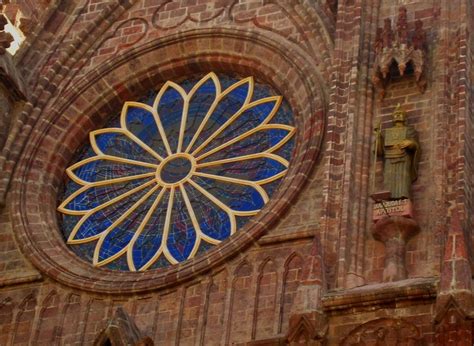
(193, 152)
(85, 106)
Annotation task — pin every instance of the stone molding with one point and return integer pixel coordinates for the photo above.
(369, 297)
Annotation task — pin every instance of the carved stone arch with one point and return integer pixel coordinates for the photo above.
(323, 27)
(269, 260)
(290, 283)
(265, 313)
(290, 258)
(386, 331)
(216, 302)
(49, 71)
(45, 331)
(70, 313)
(24, 319)
(6, 319)
(101, 93)
(244, 268)
(241, 303)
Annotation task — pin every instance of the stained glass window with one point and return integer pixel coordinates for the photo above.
(174, 175)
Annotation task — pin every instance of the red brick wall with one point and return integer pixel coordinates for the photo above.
(90, 57)
(208, 310)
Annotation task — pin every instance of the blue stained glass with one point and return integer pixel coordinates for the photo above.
(118, 264)
(237, 197)
(170, 110)
(245, 122)
(118, 144)
(271, 187)
(68, 222)
(182, 235)
(175, 170)
(114, 243)
(156, 230)
(149, 99)
(120, 237)
(227, 107)
(252, 170)
(70, 188)
(203, 248)
(149, 241)
(103, 169)
(286, 150)
(143, 125)
(160, 263)
(86, 251)
(199, 106)
(102, 219)
(241, 221)
(256, 143)
(213, 221)
(97, 195)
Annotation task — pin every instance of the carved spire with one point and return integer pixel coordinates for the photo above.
(402, 26)
(455, 301)
(419, 36)
(387, 33)
(390, 46)
(122, 331)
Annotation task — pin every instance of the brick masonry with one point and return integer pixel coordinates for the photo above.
(306, 270)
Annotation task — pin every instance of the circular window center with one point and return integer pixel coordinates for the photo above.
(175, 169)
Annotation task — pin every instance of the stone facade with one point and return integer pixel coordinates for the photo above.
(307, 269)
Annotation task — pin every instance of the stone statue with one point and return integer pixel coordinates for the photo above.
(400, 150)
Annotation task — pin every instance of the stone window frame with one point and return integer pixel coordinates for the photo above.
(86, 105)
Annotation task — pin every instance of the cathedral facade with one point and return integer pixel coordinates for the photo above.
(236, 172)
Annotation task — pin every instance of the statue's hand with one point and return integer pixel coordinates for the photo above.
(406, 143)
(377, 128)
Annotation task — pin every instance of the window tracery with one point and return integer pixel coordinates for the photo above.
(175, 175)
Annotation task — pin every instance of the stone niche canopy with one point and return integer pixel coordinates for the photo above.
(399, 52)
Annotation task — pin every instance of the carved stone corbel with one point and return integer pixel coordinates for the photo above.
(394, 232)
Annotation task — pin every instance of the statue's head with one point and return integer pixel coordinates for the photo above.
(418, 24)
(399, 115)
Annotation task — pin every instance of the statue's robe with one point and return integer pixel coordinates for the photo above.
(400, 164)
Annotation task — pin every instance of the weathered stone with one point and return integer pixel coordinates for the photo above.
(306, 270)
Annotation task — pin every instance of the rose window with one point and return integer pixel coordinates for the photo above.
(176, 174)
